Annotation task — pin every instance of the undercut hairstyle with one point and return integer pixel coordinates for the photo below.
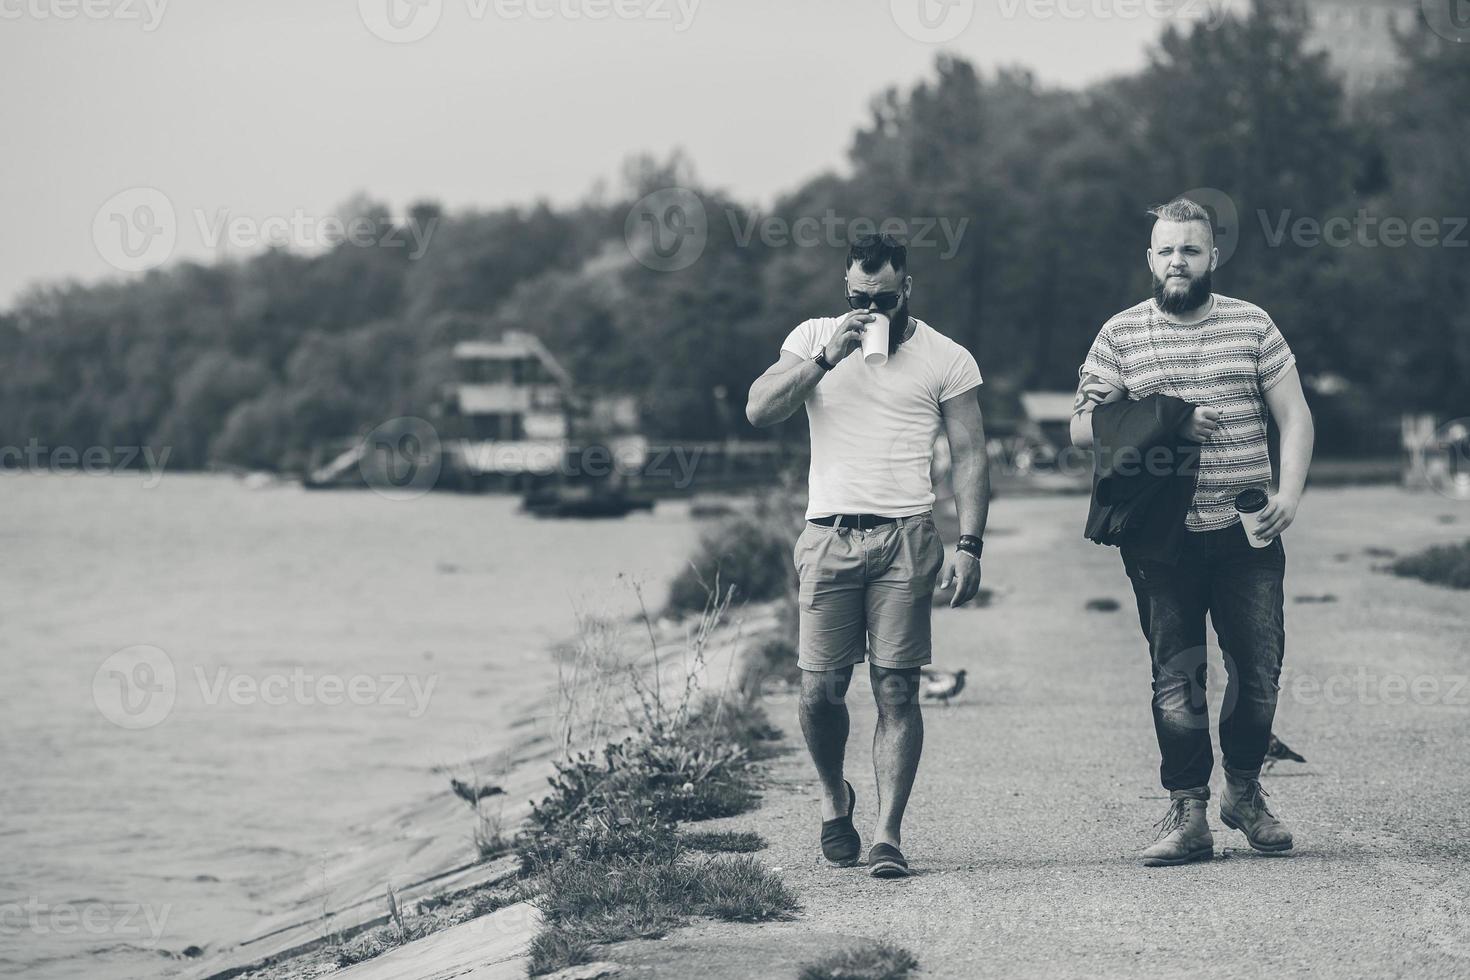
(1182, 209)
(873, 252)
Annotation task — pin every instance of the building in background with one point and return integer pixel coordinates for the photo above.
(517, 414)
(512, 419)
(510, 389)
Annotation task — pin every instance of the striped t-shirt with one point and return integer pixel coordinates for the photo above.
(1227, 361)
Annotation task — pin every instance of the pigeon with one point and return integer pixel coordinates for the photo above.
(473, 794)
(1277, 750)
(941, 685)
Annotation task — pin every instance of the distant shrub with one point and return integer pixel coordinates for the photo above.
(773, 662)
(751, 552)
(1442, 565)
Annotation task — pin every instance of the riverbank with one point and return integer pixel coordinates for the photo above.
(1039, 785)
(674, 687)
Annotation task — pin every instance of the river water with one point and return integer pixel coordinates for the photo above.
(207, 686)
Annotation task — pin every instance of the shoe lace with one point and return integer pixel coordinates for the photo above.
(1255, 797)
(1172, 820)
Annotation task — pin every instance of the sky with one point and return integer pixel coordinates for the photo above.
(245, 119)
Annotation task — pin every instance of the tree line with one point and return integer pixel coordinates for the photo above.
(1027, 202)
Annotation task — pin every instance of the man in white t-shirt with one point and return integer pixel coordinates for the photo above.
(869, 555)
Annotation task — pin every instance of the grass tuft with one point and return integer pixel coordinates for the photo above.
(728, 841)
(557, 949)
(738, 890)
(1441, 565)
(589, 903)
(880, 961)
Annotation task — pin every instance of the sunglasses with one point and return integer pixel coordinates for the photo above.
(884, 301)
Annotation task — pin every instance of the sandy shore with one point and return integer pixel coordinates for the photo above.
(1040, 785)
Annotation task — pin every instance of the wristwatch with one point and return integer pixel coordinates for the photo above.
(970, 545)
(821, 360)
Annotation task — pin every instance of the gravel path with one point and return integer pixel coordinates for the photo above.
(1039, 785)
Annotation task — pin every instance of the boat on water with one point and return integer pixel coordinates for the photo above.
(582, 499)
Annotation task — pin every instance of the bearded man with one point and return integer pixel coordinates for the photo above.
(869, 554)
(1226, 358)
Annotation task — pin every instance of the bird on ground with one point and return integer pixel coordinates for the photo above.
(1277, 750)
(941, 685)
(473, 794)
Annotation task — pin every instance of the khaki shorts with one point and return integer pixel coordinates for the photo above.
(867, 593)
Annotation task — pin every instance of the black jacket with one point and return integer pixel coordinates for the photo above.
(1143, 476)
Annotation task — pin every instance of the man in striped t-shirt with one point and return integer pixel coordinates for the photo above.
(1225, 357)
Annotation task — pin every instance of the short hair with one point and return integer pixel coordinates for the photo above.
(873, 252)
(1182, 210)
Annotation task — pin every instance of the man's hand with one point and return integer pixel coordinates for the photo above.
(1201, 424)
(963, 572)
(1277, 517)
(849, 336)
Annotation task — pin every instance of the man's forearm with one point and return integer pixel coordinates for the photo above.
(775, 398)
(1297, 437)
(1080, 430)
(971, 475)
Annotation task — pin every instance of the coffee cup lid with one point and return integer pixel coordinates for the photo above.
(1250, 501)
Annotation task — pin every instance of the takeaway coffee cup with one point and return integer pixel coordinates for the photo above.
(875, 341)
(1251, 504)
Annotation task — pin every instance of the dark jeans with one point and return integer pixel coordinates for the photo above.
(1240, 587)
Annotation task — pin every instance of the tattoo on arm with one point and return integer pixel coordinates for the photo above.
(1092, 392)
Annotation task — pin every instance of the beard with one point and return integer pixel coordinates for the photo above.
(898, 323)
(1177, 304)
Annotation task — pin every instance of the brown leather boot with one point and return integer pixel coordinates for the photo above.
(1243, 808)
(1184, 835)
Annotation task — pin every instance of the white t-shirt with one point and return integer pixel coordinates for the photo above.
(873, 428)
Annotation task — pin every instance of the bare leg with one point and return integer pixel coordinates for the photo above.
(898, 741)
(824, 722)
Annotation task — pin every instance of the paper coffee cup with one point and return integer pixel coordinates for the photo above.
(875, 341)
(1250, 505)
